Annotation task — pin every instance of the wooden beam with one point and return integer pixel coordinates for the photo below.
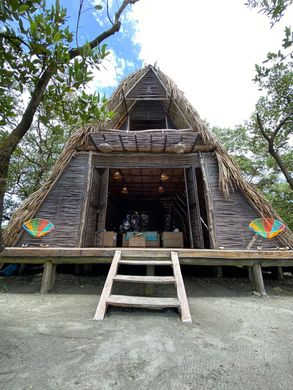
(49, 253)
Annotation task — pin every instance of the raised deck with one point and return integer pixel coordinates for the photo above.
(208, 257)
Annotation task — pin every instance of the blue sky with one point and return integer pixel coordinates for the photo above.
(209, 48)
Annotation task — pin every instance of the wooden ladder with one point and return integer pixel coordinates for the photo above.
(144, 302)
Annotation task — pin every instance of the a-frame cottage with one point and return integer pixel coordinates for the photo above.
(153, 177)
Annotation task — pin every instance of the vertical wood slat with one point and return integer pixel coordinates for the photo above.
(181, 293)
(85, 209)
(102, 306)
(188, 211)
(199, 224)
(103, 199)
(194, 208)
(209, 203)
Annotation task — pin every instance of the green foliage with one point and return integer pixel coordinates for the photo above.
(258, 167)
(33, 38)
(274, 9)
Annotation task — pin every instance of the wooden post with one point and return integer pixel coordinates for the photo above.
(47, 277)
(251, 278)
(219, 271)
(149, 288)
(258, 279)
(280, 275)
(53, 276)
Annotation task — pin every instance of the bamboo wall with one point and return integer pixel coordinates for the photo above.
(63, 207)
(233, 215)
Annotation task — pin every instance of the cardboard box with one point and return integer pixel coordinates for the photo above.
(136, 241)
(172, 240)
(109, 239)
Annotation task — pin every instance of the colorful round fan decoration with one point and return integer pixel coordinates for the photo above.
(38, 227)
(266, 227)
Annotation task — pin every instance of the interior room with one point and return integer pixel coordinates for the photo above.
(147, 207)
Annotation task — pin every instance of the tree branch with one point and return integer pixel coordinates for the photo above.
(106, 34)
(281, 124)
(261, 128)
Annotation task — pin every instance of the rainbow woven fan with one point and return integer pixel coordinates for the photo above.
(38, 227)
(266, 227)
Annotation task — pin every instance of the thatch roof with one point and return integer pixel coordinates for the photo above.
(184, 116)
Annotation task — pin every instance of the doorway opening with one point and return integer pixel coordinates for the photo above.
(153, 203)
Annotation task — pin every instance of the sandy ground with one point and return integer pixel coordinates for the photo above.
(236, 341)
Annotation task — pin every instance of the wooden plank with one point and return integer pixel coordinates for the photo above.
(145, 262)
(41, 255)
(258, 279)
(145, 279)
(102, 306)
(181, 293)
(47, 278)
(142, 302)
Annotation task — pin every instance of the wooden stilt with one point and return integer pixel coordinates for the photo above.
(280, 275)
(219, 271)
(87, 269)
(47, 277)
(149, 288)
(77, 269)
(53, 276)
(258, 279)
(21, 269)
(251, 278)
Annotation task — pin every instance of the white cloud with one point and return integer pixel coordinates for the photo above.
(109, 74)
(209, 48)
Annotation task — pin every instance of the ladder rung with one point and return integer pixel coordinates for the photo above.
(144, 279)
(143, 302)
(145, 262)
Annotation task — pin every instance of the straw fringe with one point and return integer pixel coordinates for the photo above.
(184, 115)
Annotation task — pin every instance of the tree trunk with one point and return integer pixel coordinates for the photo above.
(9, 144)
(281, 165)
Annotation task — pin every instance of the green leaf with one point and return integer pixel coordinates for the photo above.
(23, 8)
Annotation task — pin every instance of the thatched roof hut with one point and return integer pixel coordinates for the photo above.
(155, 132)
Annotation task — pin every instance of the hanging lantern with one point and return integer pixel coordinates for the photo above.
(164, 176)
(117, 175)
(179, 148)
(124, 190)
(161, 189)
(105, 147)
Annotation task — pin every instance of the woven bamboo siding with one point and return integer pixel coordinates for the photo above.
(233, 215)
(149, 87)
(91, 221)
(62, 207)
